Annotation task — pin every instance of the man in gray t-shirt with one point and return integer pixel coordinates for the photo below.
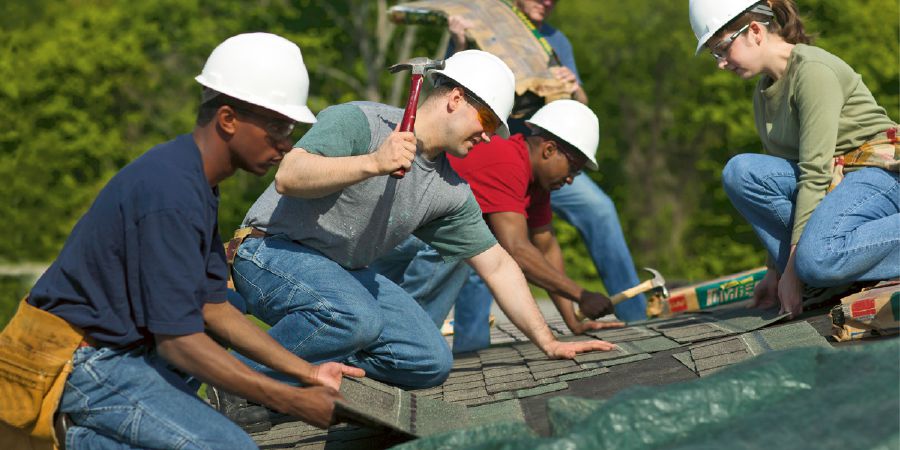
(333, 209)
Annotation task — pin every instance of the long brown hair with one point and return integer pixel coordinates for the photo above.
(786, 23)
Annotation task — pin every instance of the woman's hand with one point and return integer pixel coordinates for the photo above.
(790, 289)
(765, 294)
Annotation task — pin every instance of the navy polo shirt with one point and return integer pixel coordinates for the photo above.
(146, 256)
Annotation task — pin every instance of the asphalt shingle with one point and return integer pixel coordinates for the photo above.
(708, 357)
(700, 327)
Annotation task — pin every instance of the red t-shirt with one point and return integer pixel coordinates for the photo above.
(499, 173)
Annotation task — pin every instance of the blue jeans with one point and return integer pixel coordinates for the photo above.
(471, 316)
(418, 268)
(322, 312)
(587, 208)
(852, 235)
(439, 286)
(123, 399)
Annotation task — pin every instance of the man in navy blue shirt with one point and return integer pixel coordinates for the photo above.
(143, 273)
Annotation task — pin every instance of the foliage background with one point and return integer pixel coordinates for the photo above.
(88, 85)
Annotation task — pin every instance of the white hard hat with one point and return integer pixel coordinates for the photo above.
(262, 69)
(709, 16)
(572, 122)
(488, 78)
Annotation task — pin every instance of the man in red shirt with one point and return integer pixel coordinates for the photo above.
(512, 180)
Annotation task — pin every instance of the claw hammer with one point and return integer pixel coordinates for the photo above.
(657, 283)
(418, 67)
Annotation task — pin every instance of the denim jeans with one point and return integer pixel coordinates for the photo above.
(418, 268)
(123, 399)
(587, 208)
(852, 235)
(471, 316)
(322, 312)
(439, 286)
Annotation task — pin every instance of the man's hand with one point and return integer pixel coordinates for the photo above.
(314, 405)
(568, 350)
(595, 304)
(396, 152)
(330, 374)
(457, 25)
(765, 294)
(565, 75)
(589, 325)
(562, 73)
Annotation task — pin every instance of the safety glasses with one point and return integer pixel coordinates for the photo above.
(576, 161)
(277, 129)
(488, 120)
(719, 50)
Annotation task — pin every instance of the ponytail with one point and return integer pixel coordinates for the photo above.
(787, 23)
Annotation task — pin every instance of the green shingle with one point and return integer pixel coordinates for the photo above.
(709, 357)
(685, 358)
(623, 334)
(651, 345)
(627, 359)
(432, 416)
(553, 387)
(584, 374)
(504, 411)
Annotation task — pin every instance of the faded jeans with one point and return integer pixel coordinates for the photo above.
(323, 312)
(123, 399)
(852, 235)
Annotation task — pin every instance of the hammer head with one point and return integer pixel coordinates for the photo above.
(658, 283)
(418, 66)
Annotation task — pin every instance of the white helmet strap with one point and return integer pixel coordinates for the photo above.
(762, 8)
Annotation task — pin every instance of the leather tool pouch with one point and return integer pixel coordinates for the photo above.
(36, 350)
(231, 249)
(882, 151)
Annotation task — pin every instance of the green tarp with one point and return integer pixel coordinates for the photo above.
(801, 398)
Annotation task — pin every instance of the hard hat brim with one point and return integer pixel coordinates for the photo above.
(702, 42)
(299, 113)
(590, 163)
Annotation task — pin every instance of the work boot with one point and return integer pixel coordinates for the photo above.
(251, 417)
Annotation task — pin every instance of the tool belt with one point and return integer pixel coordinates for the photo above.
(231, 247)
(882, 151)
(36, 350)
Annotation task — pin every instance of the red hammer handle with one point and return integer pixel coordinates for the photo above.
(408, 123)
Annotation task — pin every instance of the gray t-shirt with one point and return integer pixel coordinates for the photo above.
(361, 222)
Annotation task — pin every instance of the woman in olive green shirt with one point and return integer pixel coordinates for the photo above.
(817, 121)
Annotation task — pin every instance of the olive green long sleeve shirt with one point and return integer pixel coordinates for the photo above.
(819, 109)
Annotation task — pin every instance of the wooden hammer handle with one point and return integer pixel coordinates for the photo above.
(622, 296)
(408, 123)
(631, 292)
